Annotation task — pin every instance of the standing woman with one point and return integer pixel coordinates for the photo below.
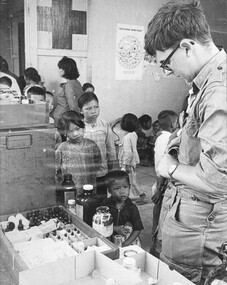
(70, 91)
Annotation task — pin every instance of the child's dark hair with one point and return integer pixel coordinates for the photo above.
(32, 74)
(165, 119)
(112, 176)
(85, 98)
(70, 117)
(130, 123)
(87, 85)
(6, 80)
(144, 120)
(36, 90)
(156, 122)
(70, 68)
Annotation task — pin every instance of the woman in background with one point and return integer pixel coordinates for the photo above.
(70, 91)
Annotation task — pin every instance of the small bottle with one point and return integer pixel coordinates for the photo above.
(72, 206)
(31, 222)
(67, 190)
(86, 204)
(25, 221)
(130, 264)
(20, 225)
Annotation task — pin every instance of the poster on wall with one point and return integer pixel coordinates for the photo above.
(129, 52)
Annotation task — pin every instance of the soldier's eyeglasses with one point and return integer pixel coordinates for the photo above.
(165, 63)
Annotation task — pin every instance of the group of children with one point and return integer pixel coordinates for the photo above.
(85, 148)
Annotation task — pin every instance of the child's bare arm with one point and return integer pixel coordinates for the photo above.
(131, 238)
(121, 230)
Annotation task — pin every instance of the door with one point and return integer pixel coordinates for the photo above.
(54, 29)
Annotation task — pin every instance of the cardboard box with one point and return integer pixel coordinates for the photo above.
(91, 268)
(130, 251)
(15, 263)
(96, 244)
(24, 115)
(153, 267)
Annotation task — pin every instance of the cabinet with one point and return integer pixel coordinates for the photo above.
(26, 169)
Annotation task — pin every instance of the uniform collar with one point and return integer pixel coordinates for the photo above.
(216, 63)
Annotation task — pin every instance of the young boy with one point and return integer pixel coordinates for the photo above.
(123, 210)
(7, 95)
(144, 146)
(88, 87)
(168, 122)
(36, 94)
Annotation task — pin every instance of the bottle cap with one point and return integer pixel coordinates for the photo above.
(71, 202)
(129, 263)
(88, 187)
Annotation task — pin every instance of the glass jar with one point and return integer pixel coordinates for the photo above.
(86, 204)
(218, 275)
(103, 221)
(72, 206)
(66, 191)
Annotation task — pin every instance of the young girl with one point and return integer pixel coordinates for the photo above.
(77, 155)
(100, 132)
(128, 155)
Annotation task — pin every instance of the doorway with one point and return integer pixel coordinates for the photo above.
(12, 47)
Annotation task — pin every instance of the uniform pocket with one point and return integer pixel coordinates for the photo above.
(181, 243)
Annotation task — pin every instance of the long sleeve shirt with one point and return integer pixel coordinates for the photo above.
(204, 131)
(81, 160)
(67, 98)
(102, 135)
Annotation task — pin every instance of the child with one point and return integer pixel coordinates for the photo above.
(168, 123)
(124, 212)
(32, 78)
(128, 155)
(156, 131)
(88, 87)
(7, 95)
(5, 83)
(100, 132)
(36, 94)
(77, 156)
(144, 145)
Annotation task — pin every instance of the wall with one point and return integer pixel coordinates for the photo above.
(150, 95)
(120, 96)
